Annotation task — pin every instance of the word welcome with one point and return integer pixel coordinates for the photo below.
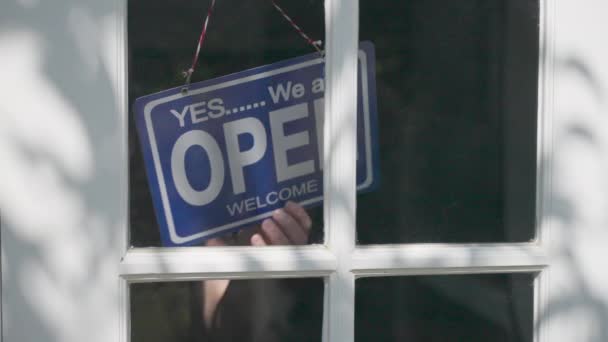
(273, 197)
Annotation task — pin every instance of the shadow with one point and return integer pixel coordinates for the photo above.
(577, 165)
(63, 187)
(574, 216)
(63, 179)
(60, 139)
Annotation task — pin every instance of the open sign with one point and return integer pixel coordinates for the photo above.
(235, 148)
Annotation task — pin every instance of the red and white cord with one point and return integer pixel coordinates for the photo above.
(201, 39)
(315, 44)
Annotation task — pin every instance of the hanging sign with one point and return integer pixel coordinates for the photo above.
(231, 150)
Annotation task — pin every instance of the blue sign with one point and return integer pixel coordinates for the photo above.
(233, 149)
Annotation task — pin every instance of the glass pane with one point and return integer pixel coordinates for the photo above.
(479, 307)
(223, 310)
(457, 111)
(241, 35)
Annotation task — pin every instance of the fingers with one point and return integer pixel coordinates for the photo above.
(288, 226)
(300, 214)
(257, 240)
(273, 234)
(215, 242)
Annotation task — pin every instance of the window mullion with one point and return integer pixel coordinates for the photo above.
(340, 163)
(160, 264)
(447, 259)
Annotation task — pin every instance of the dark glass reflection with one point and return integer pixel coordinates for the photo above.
(248, 310)
(462, 308)
(457, 104)
(162, 38)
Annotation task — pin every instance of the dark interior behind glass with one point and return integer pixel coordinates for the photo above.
(463, 308)
(457, 113)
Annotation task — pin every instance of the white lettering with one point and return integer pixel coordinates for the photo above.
(298, 91)
(312, 186)
(238, 159)
(250, 204)
(259, 204)
(269, 201)
(180, 116)
(286, 92)
(216, 106)
(298, 190)
(283, 143)
(178, 167)
(273, 197)
(318, 86)
(279, 92)
(285, 194)
(235, 207)
(196, 110)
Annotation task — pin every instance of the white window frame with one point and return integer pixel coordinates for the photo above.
(340, 261)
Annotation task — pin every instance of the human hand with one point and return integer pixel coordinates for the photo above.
(289, 225)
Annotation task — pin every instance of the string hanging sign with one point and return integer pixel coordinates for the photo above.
(188, 73)
(201, 39)
(231, 150)
(315, 44)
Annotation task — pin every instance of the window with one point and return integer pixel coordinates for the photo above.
(455, 221)
(70, 272)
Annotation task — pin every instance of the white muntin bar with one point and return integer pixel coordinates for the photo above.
(162, 264)
(447, 259)
(340, 163)
(545, 143)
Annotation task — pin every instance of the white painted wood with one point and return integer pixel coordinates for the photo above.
(544, 161)
(545, 114)
(63, 175)
(445, 259)
(577, 297)
(63, 183)
(340, 163)
(256, 262)
(124, 329)
(541, 295)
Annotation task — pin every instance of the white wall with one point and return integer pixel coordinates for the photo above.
(578, 306)
(63, 179)
(61, 170)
